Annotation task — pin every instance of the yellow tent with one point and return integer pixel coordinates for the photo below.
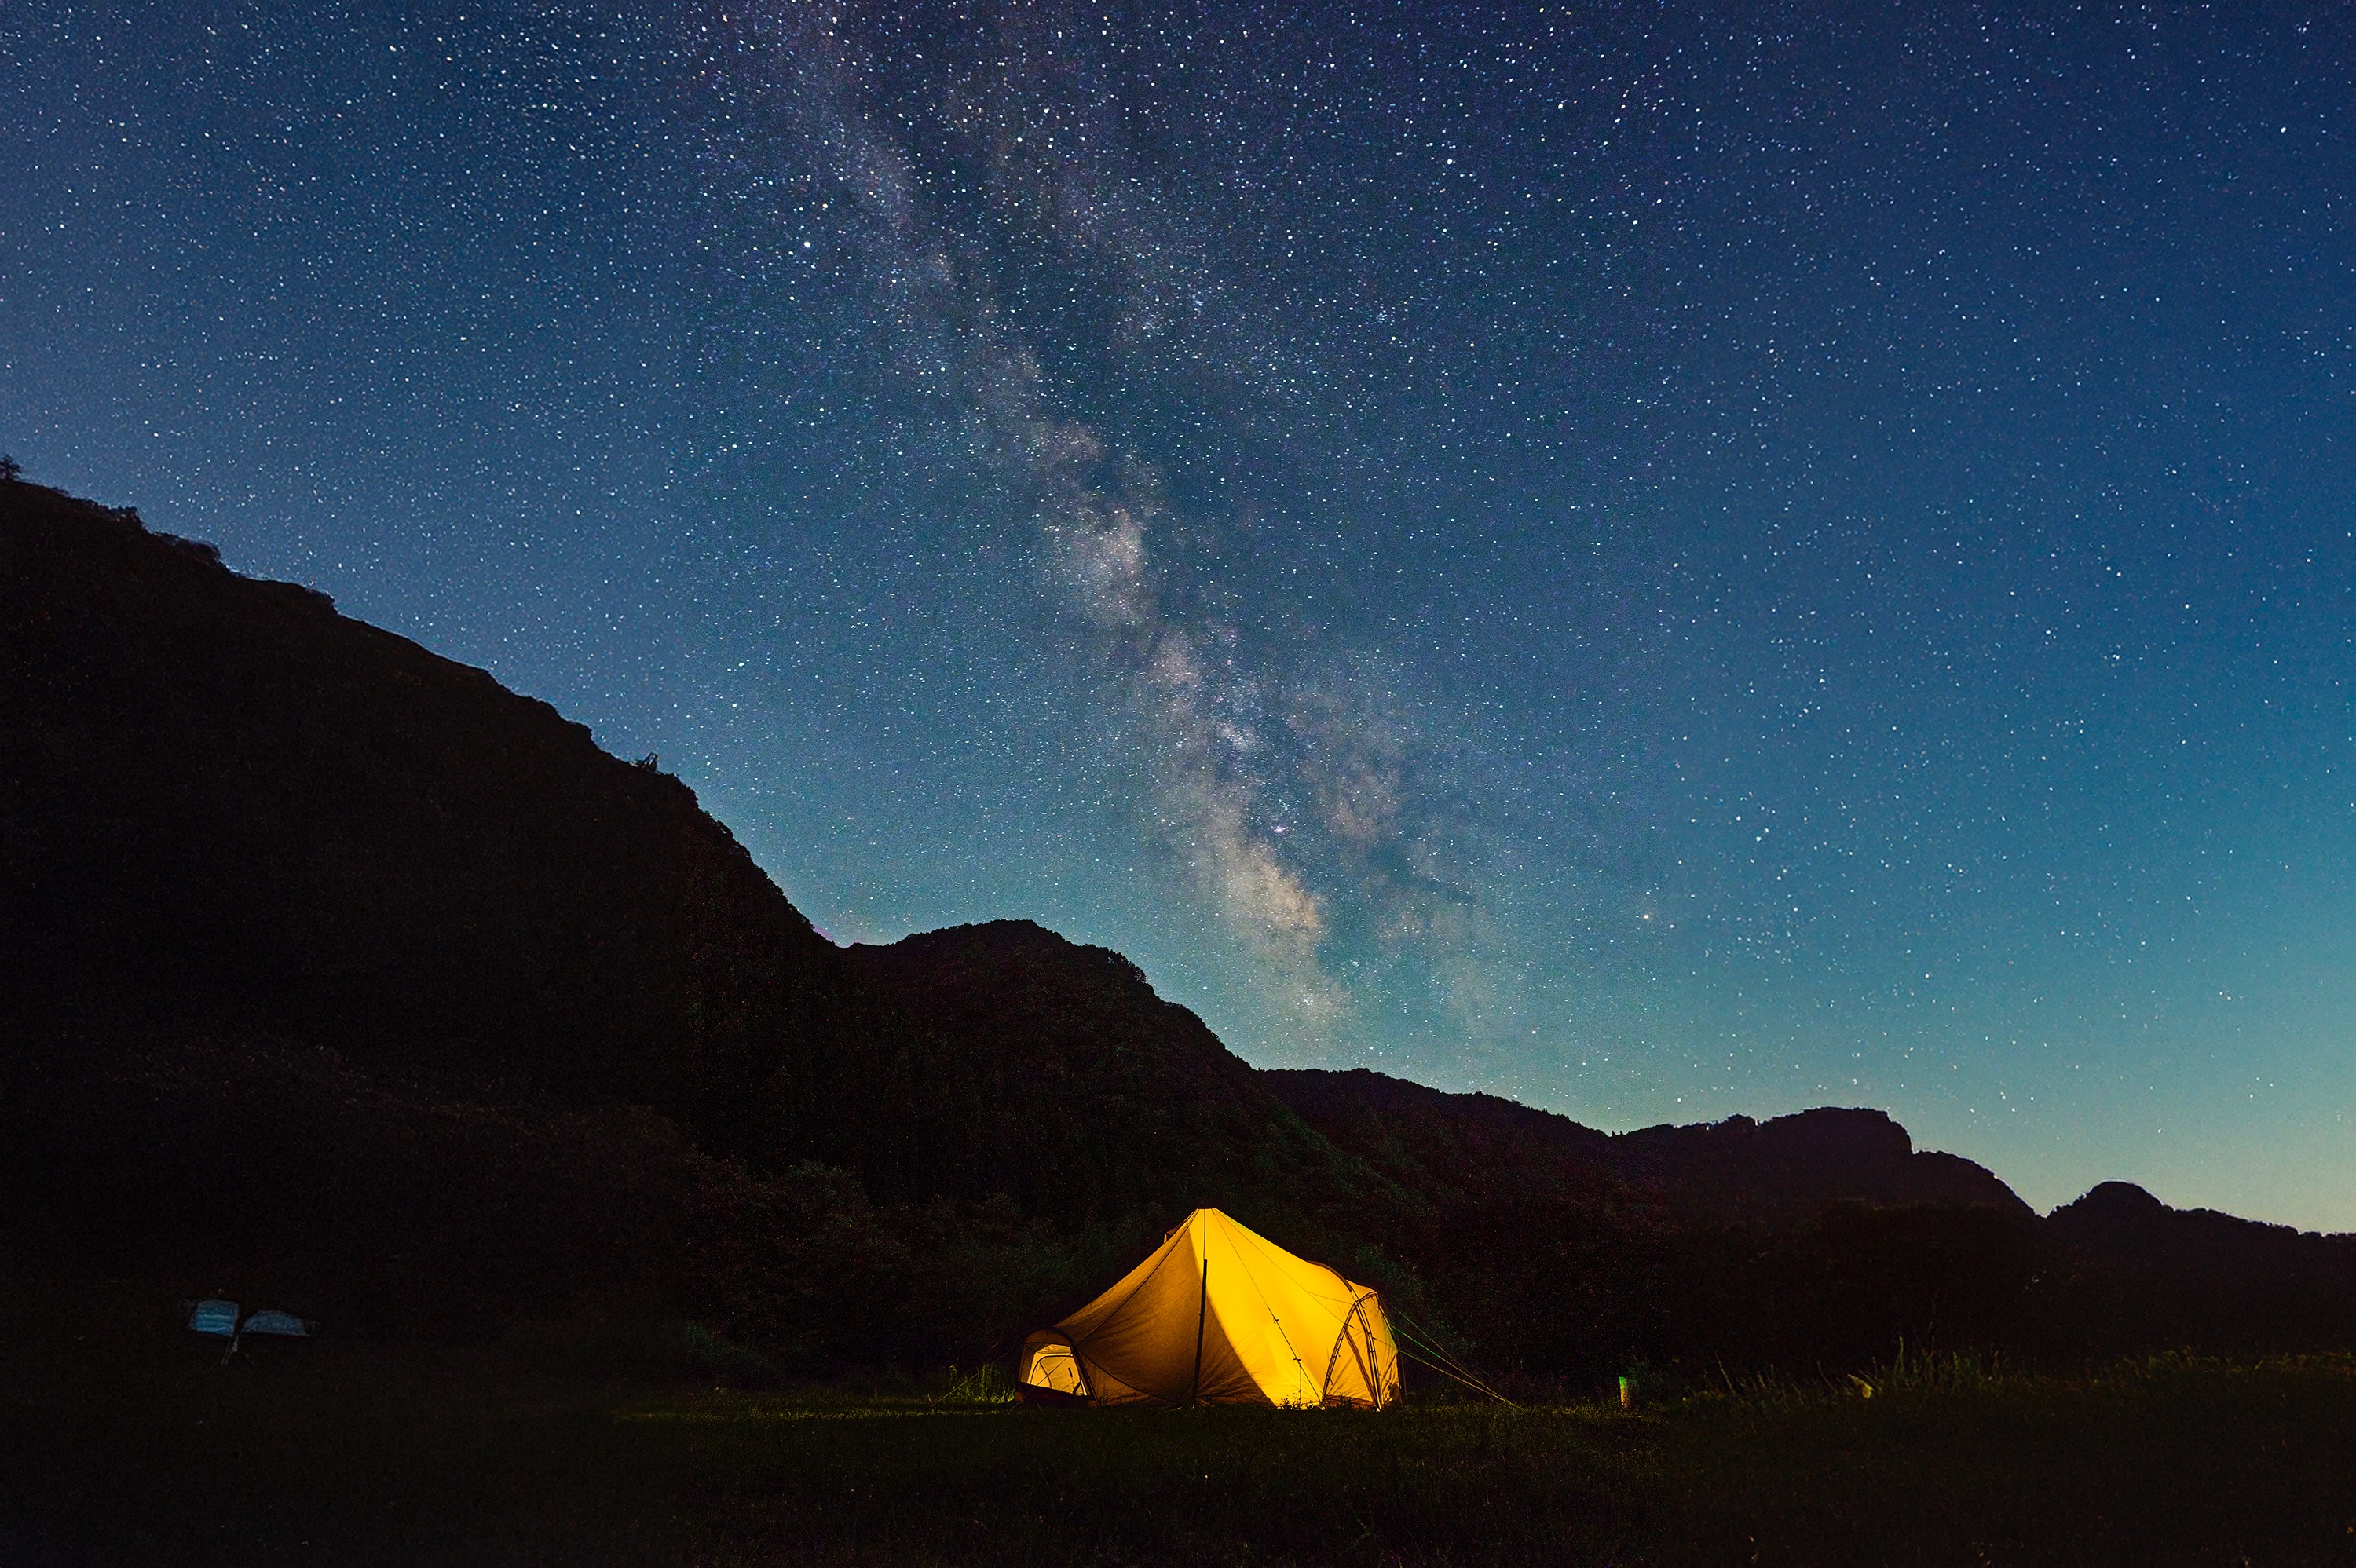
(1219, 1316)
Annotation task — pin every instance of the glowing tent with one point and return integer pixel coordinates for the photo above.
(1219, 1316)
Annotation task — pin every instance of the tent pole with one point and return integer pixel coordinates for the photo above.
(1202, 1306)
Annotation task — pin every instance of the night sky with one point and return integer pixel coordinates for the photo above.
(1660, 560)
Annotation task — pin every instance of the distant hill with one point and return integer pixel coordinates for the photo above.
(1051, 1072)
(1781, 1171)
(2194, 1276)
(332, 971)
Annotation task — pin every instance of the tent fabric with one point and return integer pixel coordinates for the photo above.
(1220, 1315)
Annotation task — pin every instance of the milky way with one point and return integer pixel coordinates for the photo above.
(1290, 797)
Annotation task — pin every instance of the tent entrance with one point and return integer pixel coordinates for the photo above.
(1050, 1373)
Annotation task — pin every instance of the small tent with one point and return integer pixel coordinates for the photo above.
(1219, 1316)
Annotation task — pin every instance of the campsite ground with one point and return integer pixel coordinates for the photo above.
(123, 1438)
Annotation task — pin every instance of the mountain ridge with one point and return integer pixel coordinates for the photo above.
(1780, 1169)
(330, 960)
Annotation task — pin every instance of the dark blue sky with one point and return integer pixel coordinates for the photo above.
(1659, 559)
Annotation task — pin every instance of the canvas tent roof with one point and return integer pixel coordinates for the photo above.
(1219, 1315)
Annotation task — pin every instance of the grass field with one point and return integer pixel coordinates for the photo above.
(122, 1439)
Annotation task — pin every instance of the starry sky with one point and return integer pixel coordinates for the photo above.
(1662, 559)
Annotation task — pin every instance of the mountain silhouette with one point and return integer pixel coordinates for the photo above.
(322, 950)
(222, 799)
(1779, 1171)
(331, 967)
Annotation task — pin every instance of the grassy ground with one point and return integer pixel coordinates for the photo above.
(124, 1440)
